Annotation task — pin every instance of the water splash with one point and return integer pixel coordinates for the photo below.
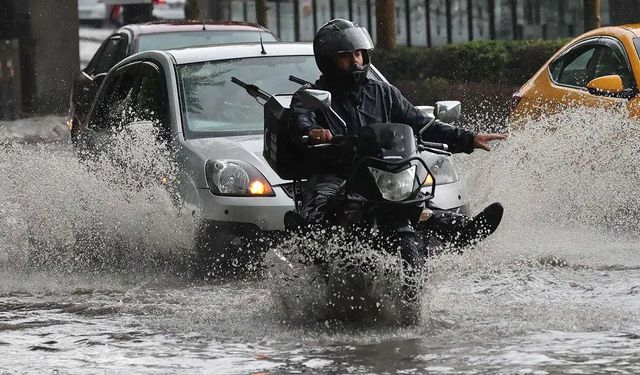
(337, 276)
(568, 183)
(111, 212)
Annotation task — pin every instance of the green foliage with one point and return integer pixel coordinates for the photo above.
(480, 74)
(494, 61)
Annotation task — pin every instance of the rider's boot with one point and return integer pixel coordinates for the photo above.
(461, 230)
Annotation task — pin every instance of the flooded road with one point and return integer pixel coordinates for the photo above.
(95, 278)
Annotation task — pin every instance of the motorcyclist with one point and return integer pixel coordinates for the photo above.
(342, 52)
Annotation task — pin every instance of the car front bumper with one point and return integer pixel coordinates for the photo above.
(267, 213)
(450, 196)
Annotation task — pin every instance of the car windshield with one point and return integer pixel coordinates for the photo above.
(172, 40)
(215, 106)
(636, 41)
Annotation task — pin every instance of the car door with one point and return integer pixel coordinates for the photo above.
(129, 125)
(571, 73)
(634, 101)
(112, 51)
(151, 104)
(114, 107)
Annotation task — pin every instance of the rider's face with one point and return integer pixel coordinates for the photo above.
(346, 60)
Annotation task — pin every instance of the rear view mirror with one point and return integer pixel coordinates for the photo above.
(604, 85)
(316, 99)
(321, 100)
(448, 111)
(426, 110)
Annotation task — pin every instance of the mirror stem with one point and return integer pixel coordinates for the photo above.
(344, 124)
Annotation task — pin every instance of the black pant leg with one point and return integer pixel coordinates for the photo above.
(316, 195)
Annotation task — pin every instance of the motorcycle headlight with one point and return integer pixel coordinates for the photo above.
(236, 178)
(394, 186)
(443, 171)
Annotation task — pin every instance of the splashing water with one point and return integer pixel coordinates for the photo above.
(335, 275)
(64, 214)
(554, 290)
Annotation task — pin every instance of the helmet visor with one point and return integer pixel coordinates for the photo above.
(348, 40)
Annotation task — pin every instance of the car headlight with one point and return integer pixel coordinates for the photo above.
(236, 178)
(394, 186)
(443, 171)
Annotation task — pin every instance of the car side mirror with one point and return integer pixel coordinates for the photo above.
(98, 79)
(448, 111)
(141, 126)
(316, 99)
(606, 85)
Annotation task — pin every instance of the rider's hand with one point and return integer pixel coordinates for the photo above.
(317, 136)
(481, 140)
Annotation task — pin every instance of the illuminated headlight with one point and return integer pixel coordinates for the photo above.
(443, 171)
(394, 186)
(236, 178)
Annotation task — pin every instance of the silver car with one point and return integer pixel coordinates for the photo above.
(214, 130)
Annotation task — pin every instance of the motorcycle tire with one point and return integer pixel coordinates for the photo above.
(413, 272)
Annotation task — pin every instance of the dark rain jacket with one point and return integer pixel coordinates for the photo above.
(375, 102)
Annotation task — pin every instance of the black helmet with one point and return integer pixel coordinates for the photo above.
(338, 36)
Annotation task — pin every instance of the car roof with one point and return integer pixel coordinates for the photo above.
(633, 27)
(189, 25)
(630, 30)
(234, 51)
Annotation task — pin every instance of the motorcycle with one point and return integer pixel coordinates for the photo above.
(385, 195)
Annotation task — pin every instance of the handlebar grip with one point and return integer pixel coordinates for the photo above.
(297, 80)
(336, 140)
(437, 146)
(238, 82)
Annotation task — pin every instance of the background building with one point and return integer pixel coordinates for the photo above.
(432, 22)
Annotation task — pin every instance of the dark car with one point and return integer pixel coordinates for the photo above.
(131, 39)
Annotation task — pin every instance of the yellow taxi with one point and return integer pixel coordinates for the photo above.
(600, 68)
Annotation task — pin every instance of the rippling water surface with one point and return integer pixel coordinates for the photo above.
(95, 277)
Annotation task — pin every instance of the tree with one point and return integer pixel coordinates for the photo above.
(137, 13)
(386, 27)
(591, 14)
(261, 12)
(192, 10)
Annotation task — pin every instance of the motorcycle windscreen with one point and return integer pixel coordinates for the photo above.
(386, 141)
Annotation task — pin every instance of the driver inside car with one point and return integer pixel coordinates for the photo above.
(342, 52)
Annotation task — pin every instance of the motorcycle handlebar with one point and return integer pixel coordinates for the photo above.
(434, 147)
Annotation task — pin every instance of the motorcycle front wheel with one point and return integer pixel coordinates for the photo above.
(413, 267)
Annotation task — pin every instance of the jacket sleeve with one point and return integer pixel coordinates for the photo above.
(458, 139)
(303, 119)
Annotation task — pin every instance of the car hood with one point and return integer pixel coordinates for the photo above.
(247, 148)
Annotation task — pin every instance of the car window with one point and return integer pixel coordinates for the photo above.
(150, 102)
(212, 105)
(613, 60)
(164, 41)
(112, 53)
(115, 103)
(575, 69)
